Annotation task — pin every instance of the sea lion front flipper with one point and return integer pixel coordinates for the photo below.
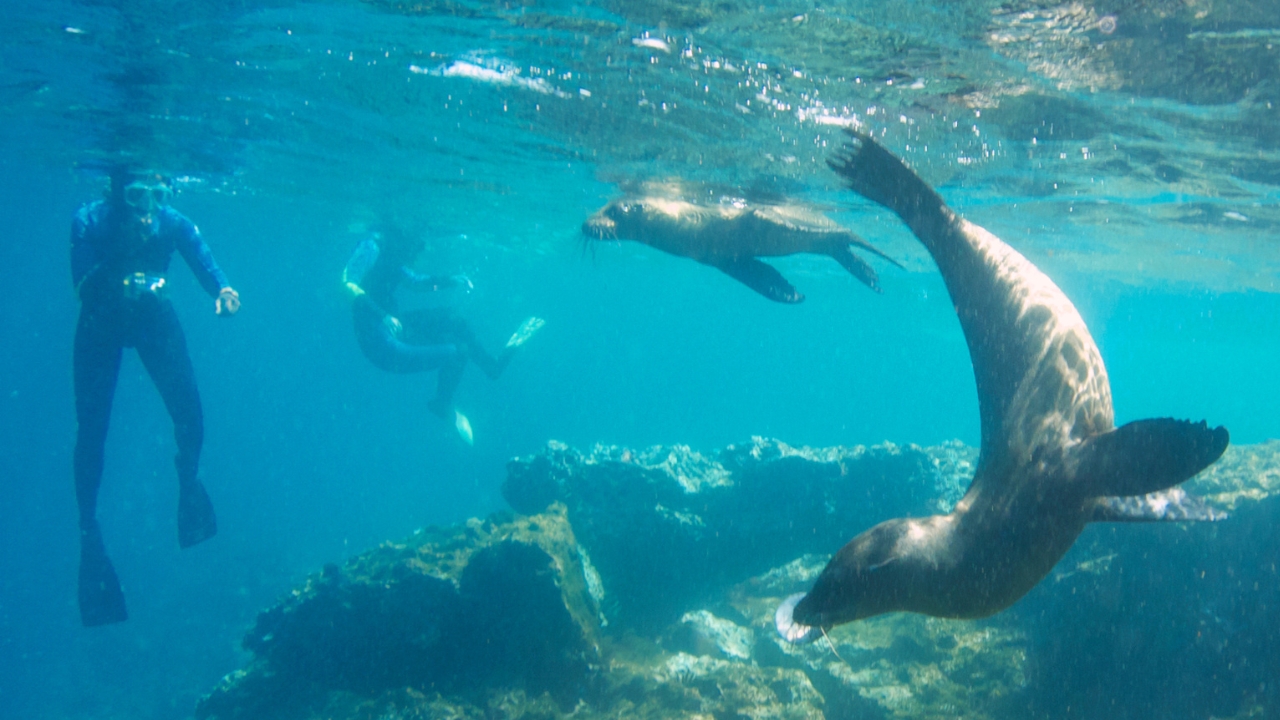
(1172, 505)
(1146, 456)
(856, 266)
(761, 277)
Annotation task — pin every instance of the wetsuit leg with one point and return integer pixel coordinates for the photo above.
(446, 385)
(162, 347)
(441, 325)
(392, 354)
(96, 364)
(466, 338)
(446, 326)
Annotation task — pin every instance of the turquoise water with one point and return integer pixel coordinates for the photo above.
(1137, 167)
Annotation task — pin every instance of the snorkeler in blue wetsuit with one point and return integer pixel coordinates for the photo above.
(418, 340)
(120, 251)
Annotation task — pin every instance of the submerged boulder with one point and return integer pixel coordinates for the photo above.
(500, 603)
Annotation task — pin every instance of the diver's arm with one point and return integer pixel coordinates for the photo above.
(199, 258)
(358, 266)
(196, 252)
(84, 256)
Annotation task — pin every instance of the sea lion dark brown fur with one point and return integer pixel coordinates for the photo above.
(731, 236)
(1050, 460)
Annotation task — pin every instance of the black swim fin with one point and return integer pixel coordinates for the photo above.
(196, 521)
(101, 600)
(761, 277)
(1147, 456)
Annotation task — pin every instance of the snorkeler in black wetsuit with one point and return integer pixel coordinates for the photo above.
(120, 251)
(418, 340)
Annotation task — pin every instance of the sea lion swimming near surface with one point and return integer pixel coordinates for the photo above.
(731, 236)
(1050, 460)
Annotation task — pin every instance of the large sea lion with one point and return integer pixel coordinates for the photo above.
(731, 236)
(1050, 460)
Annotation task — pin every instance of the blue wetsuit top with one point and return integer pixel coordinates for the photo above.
(98, 246)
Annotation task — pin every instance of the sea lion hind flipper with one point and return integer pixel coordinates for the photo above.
(877, 175)
(1172, 505)
(761, 277)
(859, 242)
(856, 266)
(1146, 456)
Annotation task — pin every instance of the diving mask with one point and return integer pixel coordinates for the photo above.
(144, 197)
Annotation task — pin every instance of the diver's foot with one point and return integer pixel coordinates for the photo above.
(101, 600)
(527, 329)
(463, 426)
(196, 521)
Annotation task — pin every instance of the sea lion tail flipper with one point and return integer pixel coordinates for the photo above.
(856, 266)
(1146, 456)
(761, 277)
(1172, 505)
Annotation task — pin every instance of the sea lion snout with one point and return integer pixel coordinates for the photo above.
(810, 610)
(600, 226)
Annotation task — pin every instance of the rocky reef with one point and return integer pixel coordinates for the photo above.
(671, 528)
(642, 583)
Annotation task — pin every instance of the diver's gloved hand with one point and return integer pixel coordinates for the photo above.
(228, 302)
(462, 282)
(393, 324)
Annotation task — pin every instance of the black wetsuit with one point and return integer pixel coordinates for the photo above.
(118, 275)
(432, 339)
